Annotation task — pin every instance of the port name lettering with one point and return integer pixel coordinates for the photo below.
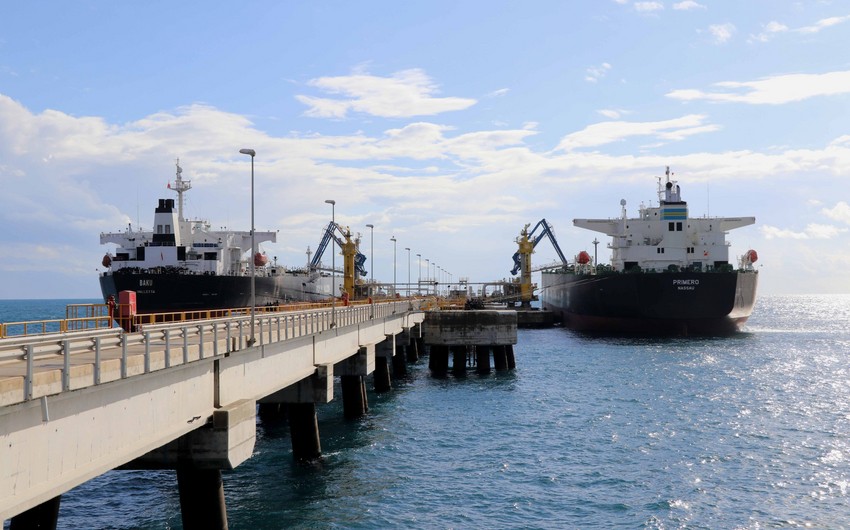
(686, 285)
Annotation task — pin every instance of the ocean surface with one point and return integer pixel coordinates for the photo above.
(750, 431)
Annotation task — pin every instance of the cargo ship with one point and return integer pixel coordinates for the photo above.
(669, 274)
(184, 265)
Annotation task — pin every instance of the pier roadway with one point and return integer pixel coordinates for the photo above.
(176, 396)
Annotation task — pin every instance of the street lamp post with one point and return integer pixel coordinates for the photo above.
(434, 278)
(371, 256)
(427, 272)
(394, 284)
(408, 270)
(333, 261)
(251, 340)
(419, 281)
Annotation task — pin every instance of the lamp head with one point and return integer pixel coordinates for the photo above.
(330, 201)
(248, 152)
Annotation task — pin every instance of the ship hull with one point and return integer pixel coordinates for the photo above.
(680, 303)
(174, 292)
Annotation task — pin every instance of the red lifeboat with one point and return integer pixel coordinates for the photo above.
(260, 259)
(107, 260)
(583, 258)
(752, 255)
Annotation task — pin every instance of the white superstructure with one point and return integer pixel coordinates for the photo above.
(664, 237)
(187, 244)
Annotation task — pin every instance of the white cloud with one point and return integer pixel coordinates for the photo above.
(404, 94)
(839, 212)
(770, 29)
(613, 131)
(648, 7)
(773, 28)
(823, 24)
(687, 5)
(774, 90)
(721, 33)
(612, 114)
(595, 73)
(812, 231)
(498, 93)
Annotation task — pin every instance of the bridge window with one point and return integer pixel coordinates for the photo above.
(670, 226)
(678, 227)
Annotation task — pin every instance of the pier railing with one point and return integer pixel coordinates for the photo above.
(98, 316)
(162, 345)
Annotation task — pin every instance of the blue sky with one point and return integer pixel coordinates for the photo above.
(449, 125)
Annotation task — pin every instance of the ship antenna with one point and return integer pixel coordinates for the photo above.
(180, 186)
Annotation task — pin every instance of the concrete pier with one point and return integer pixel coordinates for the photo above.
(454, 332)
(181, 395)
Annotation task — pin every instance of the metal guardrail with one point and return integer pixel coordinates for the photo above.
(203, 335)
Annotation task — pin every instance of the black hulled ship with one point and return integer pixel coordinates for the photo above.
(669, 275)
(184, 265)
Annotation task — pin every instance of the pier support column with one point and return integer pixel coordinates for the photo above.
(482, 354)
(304, 429)
(458, 360)
(354, 401)
(500, 358)
(384, 353)
(382, 375)
(413, 351)
(509, 352)
(45, 515)
(438, 360)
(201, 498)
(400, 363)
(353, 371)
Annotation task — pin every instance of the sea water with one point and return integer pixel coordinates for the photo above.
(749, 431)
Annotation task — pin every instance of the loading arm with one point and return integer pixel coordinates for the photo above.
(547, 231)
(335, 231)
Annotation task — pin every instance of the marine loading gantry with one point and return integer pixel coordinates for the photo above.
(527, 241)
(352, 259)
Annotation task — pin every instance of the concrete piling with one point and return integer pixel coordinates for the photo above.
(482, 361)
(44, 516)
(413, 351)
(500, 358)
(304, 430)
(509, 352)
(354, 401)
(201, 498)
(400, 364)
(439, 360)
(382, 375)
(458, 360)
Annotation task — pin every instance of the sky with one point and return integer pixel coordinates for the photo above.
(447, 125)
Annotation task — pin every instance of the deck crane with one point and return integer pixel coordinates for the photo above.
(527, 241)
(352, 259)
